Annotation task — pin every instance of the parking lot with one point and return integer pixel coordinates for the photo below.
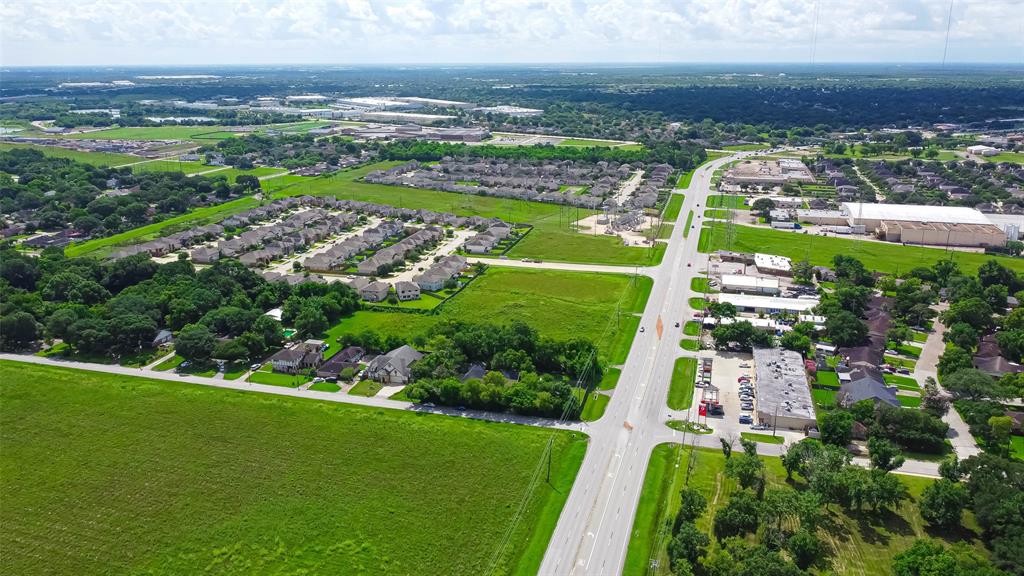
(726, 370)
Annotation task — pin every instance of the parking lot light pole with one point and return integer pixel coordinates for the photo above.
(775, 420)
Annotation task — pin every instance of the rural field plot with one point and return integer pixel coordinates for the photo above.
(94, 158)
(883, 257)
(558, 304)
(128, 475)
(186, 168)
(859, 544)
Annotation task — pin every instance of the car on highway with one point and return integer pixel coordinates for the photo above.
(642, 329)
(687, 264)
(677, 324)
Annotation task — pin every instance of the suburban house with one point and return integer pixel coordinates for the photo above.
(308, 354)
(347, 358)
(866, 385)
(395, 367)
(375, 291)
(407, 291)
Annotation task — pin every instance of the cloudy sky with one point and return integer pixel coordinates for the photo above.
(167, 32)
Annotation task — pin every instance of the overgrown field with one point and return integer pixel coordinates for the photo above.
(108, 474)
(94, 158)
(858, 544)
(558, 304)
(818, 250)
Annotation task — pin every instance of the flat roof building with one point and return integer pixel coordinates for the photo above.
(514, 111)
(783, 396)
(925, 224)
(768, 172)
(750, 284)
(768, 304)
(406, 117)
(772, 264)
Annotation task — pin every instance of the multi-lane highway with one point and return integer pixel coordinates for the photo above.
(593, 531)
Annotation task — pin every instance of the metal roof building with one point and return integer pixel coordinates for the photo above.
(755, 303)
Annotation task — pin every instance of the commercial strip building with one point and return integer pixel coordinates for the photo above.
(750, 284)
(768, 304)
(768, 172)
(783, 395)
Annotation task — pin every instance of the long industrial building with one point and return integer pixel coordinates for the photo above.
(920, 224)
(768, 304)
(783, 396)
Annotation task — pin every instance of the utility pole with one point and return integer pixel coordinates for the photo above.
(550, 440)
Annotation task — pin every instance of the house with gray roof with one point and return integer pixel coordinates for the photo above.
(395, 367)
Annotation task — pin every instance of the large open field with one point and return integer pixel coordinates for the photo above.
(94, 158)
(879, 256)
(106, 474)
(558, 304)
(859, 544)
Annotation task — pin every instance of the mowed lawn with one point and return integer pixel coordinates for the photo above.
(94, 158)
(883, 257)
(557, 304)
(110, 474)
(857, 543)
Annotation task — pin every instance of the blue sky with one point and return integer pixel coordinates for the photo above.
(158, 32)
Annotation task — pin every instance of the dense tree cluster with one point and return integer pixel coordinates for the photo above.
(543, 370)
(289, 151)
(60, 193)
(116, 308)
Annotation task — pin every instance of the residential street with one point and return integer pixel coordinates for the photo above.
(959, 432)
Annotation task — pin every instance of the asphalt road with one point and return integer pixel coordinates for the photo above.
(593, 531)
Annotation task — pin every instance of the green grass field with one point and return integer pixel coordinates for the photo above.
(718, 213)
(1015, 157)
(728, 201)
(901, 382)
(686, 177)
(857, 543)
(691, 328)
(588, 143)
(325, 387)
(689, 222)
(880, 256)
(673, 207)
(187, 168)
(558, 304)
(594, 406)
(823, 398)
(1017, 447)
(746, 147)
(117, 474)
(94, 158)
(278, 379)
(689, 344)
(680, 392)
(365, 388)
(909, 401)
(763, 438)
(826, 378)
(610, 379)
(232, 173)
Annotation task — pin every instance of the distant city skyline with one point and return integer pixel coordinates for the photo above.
(188, 32)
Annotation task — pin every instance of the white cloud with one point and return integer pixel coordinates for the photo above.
(433, 31)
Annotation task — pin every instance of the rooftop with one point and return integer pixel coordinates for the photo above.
(782, 383)
(769, 302)
(914, 213)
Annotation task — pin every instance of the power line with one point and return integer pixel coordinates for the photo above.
(949, 22)
(814, 30)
